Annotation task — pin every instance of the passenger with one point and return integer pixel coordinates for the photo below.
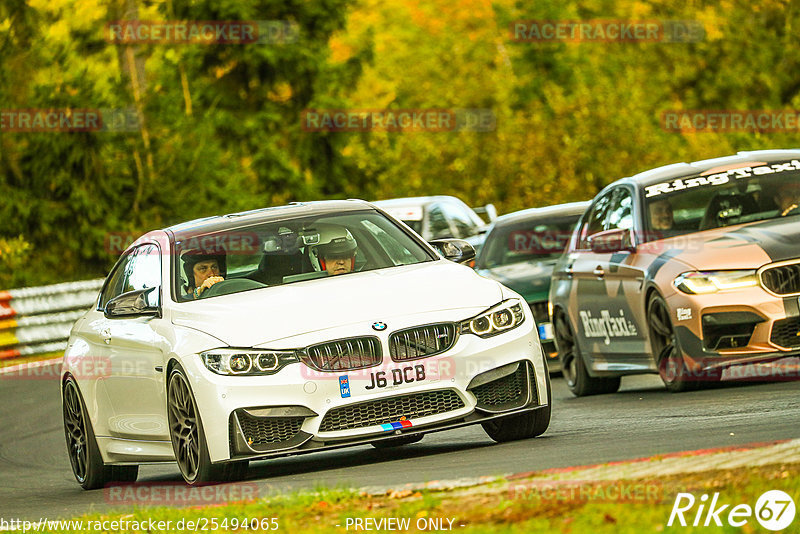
(203, 269)
(787, 197)
(661, 215)
(335, 253)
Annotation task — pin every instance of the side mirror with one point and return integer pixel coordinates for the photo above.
(456, 250)
(131, 304)
(610, 241)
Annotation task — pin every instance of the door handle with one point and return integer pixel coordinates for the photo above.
(599, 272)
(569, 271)
(106, 334)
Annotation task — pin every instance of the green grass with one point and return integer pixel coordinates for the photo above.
(493, 509)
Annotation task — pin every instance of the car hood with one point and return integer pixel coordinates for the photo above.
(746, 246)
(272, 314)
(531, 279)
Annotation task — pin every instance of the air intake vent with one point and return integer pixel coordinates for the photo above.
(508, 392)
(786, 333)
(265, 430)
(391, 410)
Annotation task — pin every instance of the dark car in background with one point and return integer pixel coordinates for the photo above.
(441, 217)
(520, 251)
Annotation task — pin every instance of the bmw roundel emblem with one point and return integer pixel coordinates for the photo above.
(379, 326)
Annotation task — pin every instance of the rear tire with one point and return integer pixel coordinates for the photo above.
(572, 365)
(188, 439)
(84, 455)
(397, 442)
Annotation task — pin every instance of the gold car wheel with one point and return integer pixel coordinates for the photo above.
(666, 350)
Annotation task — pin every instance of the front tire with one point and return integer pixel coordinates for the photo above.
(188, 439)
(84, 455)
(572, 365)
(666, 348)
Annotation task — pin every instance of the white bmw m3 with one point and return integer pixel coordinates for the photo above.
(289, 330)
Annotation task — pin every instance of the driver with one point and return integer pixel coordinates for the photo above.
(335, 252)
(203, 269)
(787, 198)
(661, 217)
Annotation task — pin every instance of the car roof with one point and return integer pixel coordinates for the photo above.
(265, 215)
(677, 170)
(416, 201)
(572, 208)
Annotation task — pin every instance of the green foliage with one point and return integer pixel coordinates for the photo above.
(221, 131)
(218, 124)
(14, 253)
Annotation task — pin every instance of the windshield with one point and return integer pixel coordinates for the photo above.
(289, 251)
(534, 240)
(717, 199)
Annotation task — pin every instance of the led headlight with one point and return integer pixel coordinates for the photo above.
(247, 361)
(704, 282)
(504, 316)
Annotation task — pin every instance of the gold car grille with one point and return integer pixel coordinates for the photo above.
(782, 279)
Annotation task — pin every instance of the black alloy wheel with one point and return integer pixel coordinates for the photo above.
(183, 425)
(573, 367)
(666, 348)
(188, 440)
(84, 455)
(75, 430)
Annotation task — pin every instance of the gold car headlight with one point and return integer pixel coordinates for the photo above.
(704, 282)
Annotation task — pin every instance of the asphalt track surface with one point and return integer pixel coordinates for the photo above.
(642, 419)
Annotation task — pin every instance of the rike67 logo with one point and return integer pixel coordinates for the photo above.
(774, 510)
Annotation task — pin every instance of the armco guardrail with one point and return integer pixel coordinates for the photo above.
(37, 320)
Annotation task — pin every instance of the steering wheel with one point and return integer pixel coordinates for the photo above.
(794, 211)
(233, 285)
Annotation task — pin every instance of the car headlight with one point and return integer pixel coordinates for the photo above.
(703, 282)
(247, 361)
(504, 316)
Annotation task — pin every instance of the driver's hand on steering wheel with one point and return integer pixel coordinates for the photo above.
(208, 282)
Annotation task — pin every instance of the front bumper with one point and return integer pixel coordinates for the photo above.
(301, 410)
(245, 429)
(735, 327)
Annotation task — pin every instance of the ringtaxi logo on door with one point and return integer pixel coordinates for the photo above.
(774, 510)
